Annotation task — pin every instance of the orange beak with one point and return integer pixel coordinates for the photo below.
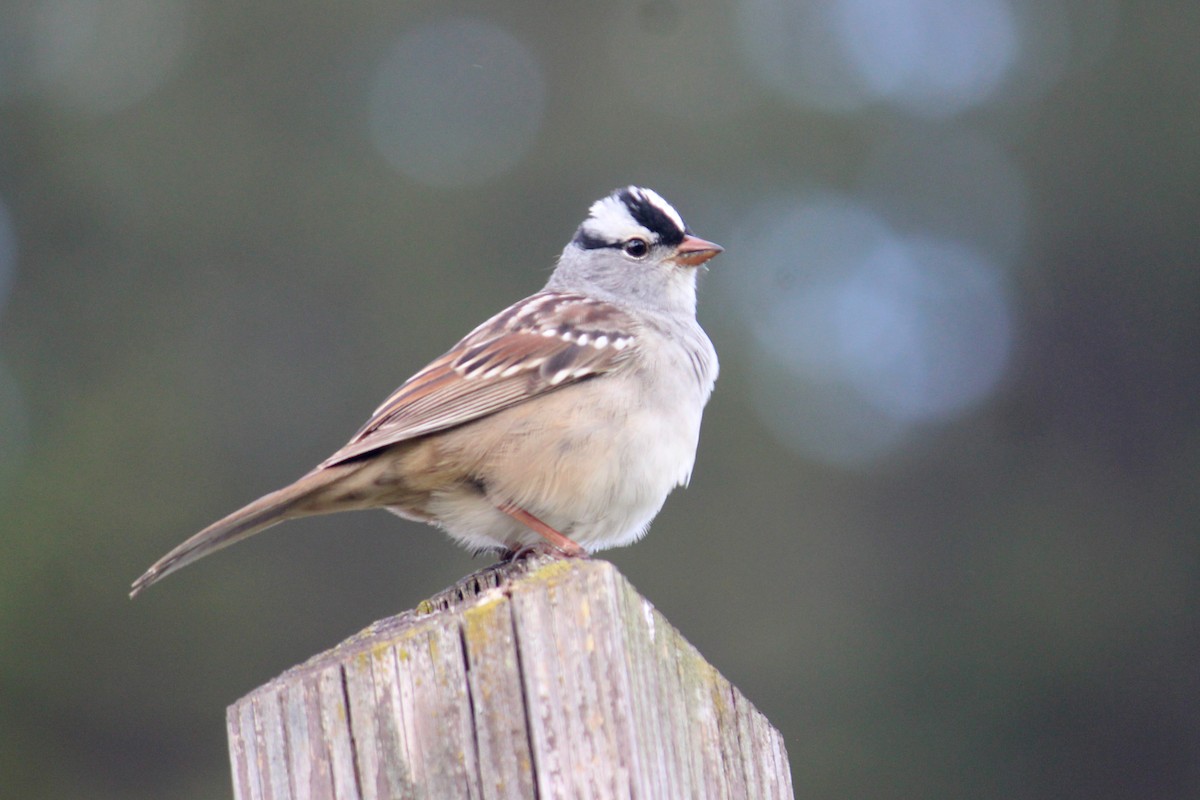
(694, 251)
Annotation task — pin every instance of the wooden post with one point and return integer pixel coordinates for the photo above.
(538, 679)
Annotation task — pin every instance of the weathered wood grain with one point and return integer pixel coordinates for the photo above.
(537, 679)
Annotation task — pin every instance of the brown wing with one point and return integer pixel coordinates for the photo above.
(542, 343)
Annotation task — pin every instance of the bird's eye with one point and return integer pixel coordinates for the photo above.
(636, 248)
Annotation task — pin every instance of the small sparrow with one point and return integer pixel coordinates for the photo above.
(562, 423)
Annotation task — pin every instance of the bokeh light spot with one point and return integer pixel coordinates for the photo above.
(928, 57)
(931, 56)
(865, 333)
(456, 102)
(923, 328)
(100, 56)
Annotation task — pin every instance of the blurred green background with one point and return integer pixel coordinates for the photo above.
(942, 528)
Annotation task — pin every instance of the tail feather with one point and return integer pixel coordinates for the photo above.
(287, 503)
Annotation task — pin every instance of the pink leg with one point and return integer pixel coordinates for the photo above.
(556, 539)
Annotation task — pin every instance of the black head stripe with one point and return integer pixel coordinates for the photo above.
(589, 241)
(652, 218)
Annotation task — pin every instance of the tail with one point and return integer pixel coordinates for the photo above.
(303, 498)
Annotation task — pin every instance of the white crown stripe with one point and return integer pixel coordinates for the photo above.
(610, 220)
(657, 200)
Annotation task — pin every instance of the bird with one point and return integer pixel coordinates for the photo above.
(560, 425)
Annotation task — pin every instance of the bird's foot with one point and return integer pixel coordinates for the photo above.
(540, 549)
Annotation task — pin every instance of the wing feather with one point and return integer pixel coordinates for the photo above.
(548, 341)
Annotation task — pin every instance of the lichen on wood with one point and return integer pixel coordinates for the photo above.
(538, 678)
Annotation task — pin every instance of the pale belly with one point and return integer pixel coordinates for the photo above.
(603, 480)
